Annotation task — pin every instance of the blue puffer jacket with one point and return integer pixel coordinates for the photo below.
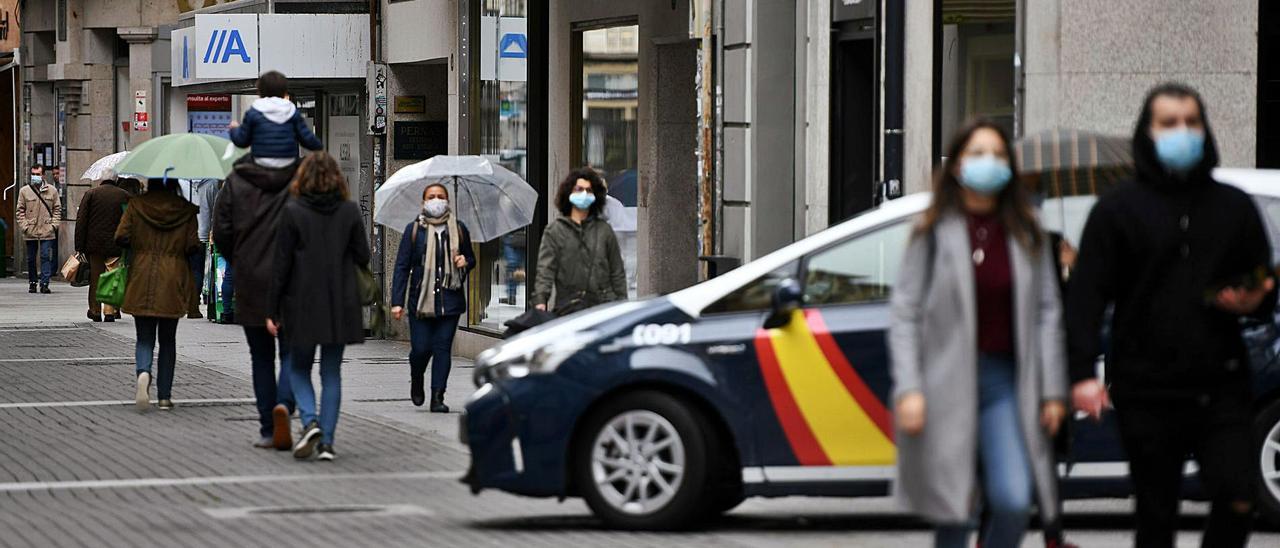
(406, 283)
(273, 128)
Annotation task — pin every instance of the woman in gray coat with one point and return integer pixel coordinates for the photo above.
(977, 351)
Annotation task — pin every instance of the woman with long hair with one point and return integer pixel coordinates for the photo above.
(977, 350)
(158, 231)
(315, 300)
(579, 257)
(431, 269)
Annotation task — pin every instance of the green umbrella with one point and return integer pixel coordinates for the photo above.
(182, 156)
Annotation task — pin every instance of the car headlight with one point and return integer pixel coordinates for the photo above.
(514, 361)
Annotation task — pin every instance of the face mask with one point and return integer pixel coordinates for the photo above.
(582, 200)
(436, 207)
(985, 174)
(36, 180)
(1180, 149)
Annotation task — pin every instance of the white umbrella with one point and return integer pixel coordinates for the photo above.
(488, 198)
(104, 168)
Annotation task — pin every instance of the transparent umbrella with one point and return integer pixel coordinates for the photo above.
(488, 198)
(104, 168)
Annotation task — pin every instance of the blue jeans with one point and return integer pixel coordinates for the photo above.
(1002, 455)
(266, 389)
(44, 250)
(330, 387)
(514, 257)
(431, 341)
(144, 351)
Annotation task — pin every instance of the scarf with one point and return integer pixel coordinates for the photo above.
(450, 278)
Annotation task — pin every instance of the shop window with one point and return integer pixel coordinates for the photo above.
(498, 289)
(978, 45)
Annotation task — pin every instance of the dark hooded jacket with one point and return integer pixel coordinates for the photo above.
(244, 229)
(97, 218)
(159, 230)
(319, 243)
(1158, 248)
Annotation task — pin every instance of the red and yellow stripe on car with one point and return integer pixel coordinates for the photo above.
(829, 415)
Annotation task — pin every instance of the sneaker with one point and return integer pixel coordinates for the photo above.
(165, 405)
(307, 441)
(31, 289)
(142, 397)
(265, 443)
(45, 289)
(281, 439)
(326, 452)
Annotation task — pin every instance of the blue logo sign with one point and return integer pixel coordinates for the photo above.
(513, 46)
(186, 69)
(234, 45)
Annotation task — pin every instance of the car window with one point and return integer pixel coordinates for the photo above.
(1270, 209)
(861, 269)
(757, 295)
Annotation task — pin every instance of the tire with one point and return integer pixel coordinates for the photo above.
(1266, 437)
(645, 490)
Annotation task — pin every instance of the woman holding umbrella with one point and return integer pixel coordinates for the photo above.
(431, 266)
(579, 256)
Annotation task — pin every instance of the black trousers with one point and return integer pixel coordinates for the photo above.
(1159, 435)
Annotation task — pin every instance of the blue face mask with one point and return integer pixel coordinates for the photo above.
(985, 174)
(582, 200)
(1180, 149)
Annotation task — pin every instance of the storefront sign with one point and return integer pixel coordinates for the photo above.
(376, 82)
(411, 104)
(208, 102)
(504, 49)
(343, 143)
(226, 46)
(240, 46)
(420, 140)
(209, 114)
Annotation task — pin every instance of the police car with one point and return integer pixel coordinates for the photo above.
(770, 380)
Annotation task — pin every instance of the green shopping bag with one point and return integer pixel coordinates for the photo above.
(111, 284)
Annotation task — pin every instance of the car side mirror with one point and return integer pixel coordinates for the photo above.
(787, 298)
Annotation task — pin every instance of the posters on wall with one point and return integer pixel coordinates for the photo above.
(343, 143)
(209, 114)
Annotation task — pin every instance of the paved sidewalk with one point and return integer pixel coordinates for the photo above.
(80, 466)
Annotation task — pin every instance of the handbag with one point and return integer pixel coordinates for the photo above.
(367, 285)
(111, 284)
(76, 270)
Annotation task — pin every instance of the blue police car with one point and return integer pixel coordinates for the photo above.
(770, 380)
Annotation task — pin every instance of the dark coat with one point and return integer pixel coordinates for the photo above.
(159, 229)
(406, 283)
(314, 292)
(583, 263)
(97, 218)
(244, 229)
(272, 140)
(1158, 248)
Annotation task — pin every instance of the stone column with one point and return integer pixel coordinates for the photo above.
(140, 39)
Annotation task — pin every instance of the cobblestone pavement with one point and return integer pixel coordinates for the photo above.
(79, 466)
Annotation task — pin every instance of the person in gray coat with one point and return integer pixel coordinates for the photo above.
(579, 257)
(978, 352)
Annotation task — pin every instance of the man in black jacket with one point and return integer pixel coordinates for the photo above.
(244, 229)
(96, 220)
(1182, 258)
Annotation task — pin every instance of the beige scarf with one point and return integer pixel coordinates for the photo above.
(450, 278)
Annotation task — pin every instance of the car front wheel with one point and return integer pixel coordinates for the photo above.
(1266, 429)
(641, 462)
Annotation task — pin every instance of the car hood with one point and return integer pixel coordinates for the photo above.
(575, 325)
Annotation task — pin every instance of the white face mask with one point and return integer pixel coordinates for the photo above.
(436, 207)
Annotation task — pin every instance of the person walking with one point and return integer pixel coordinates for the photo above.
(579, 258)
(39, 212)
(314, 294)
(979, 388)
(437, 243)
(1182, 258)
(203, 193)
(96, 221)
(244, 229)
(159, 230)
